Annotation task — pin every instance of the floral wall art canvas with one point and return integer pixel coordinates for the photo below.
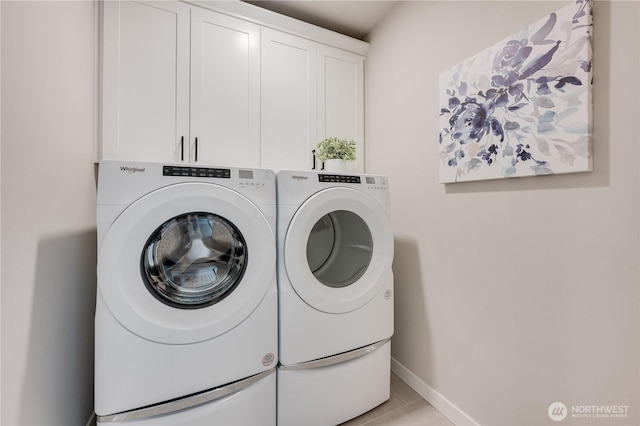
(523, 106)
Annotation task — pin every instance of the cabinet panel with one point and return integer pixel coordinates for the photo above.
(145, 80)
(225, 90)
(288, 108)
(341, 99)
(185, 83)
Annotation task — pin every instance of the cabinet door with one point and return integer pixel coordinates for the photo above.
(225, 90)
(288, 127)
(341, 99)
(145, 90)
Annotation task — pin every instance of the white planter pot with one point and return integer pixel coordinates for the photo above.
(335, 165)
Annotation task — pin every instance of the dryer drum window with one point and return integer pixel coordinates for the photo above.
(339, 248)
(194, 260)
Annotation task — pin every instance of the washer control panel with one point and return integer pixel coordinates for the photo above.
(196, 172)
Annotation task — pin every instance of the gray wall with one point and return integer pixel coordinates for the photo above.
(48, 212)
(510, 294)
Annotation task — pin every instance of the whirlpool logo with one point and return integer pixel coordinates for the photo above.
(130, 170)
(299, 178)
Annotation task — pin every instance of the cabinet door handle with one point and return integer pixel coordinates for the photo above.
(313, 155)
(182, 148)
(196, 152)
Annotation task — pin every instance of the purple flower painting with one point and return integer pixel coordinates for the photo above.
(523, 106)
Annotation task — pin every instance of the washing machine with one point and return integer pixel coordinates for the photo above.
(186, 309)
(335, 287)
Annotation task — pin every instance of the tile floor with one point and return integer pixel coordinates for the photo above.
(404, 407)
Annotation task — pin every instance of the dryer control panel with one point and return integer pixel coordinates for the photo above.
(339, 178)
(372, 182)
(295, 186)
(377, 182)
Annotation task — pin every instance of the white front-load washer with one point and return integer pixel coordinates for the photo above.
(186, 309)
(335, 287)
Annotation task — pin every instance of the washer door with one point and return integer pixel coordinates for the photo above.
(186, 263)
(337, 247)
(194, 260)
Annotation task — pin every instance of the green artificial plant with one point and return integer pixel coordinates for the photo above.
(336, 149)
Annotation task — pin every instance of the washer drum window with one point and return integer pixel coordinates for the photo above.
(194, 260)
(339, 248)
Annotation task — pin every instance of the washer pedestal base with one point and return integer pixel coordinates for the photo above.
(250, 406)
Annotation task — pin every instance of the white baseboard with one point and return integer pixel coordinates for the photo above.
(432, 396)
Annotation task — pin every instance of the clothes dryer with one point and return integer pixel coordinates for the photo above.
(186, 310)
(335, 249)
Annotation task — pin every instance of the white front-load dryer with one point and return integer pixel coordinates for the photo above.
(335, 286)
(186, 310)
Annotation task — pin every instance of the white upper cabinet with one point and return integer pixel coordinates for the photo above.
(180, 84)
(192, 84)
(341, 99)
(145, 91)
(288, 125)
(310, 91)
(225, 90)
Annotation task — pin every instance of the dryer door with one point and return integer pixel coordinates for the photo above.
(186, 263)
(338, 250)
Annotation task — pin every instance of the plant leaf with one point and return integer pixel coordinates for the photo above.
(543, 102)
(539, 62)
(568, 80)
(517, 106)
(544, 31)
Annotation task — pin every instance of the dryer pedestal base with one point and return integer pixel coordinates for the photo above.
(335, 393)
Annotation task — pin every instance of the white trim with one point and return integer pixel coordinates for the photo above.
(0, 199)
(97, 105)
(432, 396)
(276, 21)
